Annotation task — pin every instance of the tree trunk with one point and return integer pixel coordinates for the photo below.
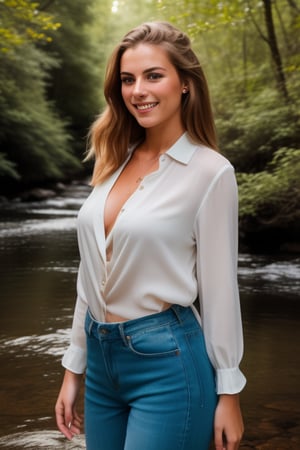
(276, 57)
(293, 5)
(46, 5)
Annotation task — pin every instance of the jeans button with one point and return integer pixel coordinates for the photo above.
(104, 331)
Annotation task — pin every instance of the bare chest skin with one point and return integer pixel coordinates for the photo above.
(128, 181)
(126, 184)
(142, 163)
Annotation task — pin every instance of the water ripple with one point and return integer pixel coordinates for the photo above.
(29, 227)
(269, 276)
(53, 344)
(46, 439)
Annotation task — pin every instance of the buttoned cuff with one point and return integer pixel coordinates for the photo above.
(75, 359)
(230, 381)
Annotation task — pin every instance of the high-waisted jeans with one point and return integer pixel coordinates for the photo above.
(149, 384)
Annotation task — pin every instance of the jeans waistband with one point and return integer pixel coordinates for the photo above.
(174, 314)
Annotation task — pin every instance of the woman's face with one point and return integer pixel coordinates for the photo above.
(151, 88)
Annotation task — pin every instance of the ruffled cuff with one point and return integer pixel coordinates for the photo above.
(230, 381)
(75, 359)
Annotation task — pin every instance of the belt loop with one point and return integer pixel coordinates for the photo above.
(89, 321)
(122, 334)
(176, 310)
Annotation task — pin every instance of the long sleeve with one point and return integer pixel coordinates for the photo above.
(216, 231)
(75, 357)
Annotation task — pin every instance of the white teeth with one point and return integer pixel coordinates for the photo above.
(148, 106)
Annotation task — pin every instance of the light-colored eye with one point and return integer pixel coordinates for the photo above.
(154, 76)
(127, 80)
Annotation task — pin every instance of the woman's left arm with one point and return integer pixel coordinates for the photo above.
(216, 231)
(217, 254)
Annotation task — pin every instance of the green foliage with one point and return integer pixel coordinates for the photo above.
(252, 131)
(271, 198)
(261, 138)
(130, 13)
(52, 63)
(7, 168)
(22, 22)
(74, 84)
(199, 17)
(258, 126)
(48, 91)
(33, 139)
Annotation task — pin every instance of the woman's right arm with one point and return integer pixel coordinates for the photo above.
(67, 418)
(74, 361)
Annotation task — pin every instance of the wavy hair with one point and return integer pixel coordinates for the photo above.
(116, 129)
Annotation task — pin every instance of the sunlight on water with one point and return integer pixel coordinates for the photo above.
(41, 439)
(29, 227)
(53, 214)
(277, 276)
(56, 212)
(53, 344)
(66, 202)
(55, 267)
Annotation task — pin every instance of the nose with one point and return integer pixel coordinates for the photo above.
(139, 89)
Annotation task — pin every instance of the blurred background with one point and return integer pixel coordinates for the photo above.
(53, 56)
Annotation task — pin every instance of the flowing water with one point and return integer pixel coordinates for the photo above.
(39, 259)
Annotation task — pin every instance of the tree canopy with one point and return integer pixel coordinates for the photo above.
(52, 63)
(250, 50)
(34, 140)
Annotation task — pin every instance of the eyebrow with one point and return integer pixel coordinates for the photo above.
(151, 69)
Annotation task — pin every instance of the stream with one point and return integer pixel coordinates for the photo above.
(38, 266)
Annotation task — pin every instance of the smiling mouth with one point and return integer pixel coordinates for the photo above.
(146, 106)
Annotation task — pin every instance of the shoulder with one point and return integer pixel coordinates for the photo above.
(209, 159)
(186, 151)
(206, 162)
(197, 155)
(202, 164)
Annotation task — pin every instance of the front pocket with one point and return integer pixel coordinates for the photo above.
(157, 341)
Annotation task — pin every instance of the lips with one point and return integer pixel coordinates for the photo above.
(145, 106)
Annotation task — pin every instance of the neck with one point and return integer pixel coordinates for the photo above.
(157, 143)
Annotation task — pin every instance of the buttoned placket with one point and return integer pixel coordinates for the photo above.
(142, 186)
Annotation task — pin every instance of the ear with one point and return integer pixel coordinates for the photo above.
(185, 86)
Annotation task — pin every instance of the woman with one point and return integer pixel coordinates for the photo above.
(157, 233)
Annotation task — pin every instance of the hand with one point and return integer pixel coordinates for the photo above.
(67, 419)
(229, 425)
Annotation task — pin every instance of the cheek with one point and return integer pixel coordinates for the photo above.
(175, 98)
(125, 94)
(172, 90)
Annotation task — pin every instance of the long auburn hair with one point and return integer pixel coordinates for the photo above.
(115, 130)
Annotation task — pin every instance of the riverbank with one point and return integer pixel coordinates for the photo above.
(272, 241)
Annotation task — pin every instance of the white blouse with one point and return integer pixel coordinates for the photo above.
(174, 239)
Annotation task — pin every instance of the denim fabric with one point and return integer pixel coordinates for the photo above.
(149, 384)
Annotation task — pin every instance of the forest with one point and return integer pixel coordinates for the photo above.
(52, 62)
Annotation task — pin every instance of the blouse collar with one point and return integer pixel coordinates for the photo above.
(182, 150)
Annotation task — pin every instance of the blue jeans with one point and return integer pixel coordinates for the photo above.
(149, 384)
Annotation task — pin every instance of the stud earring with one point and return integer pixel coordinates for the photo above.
(185, 90)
